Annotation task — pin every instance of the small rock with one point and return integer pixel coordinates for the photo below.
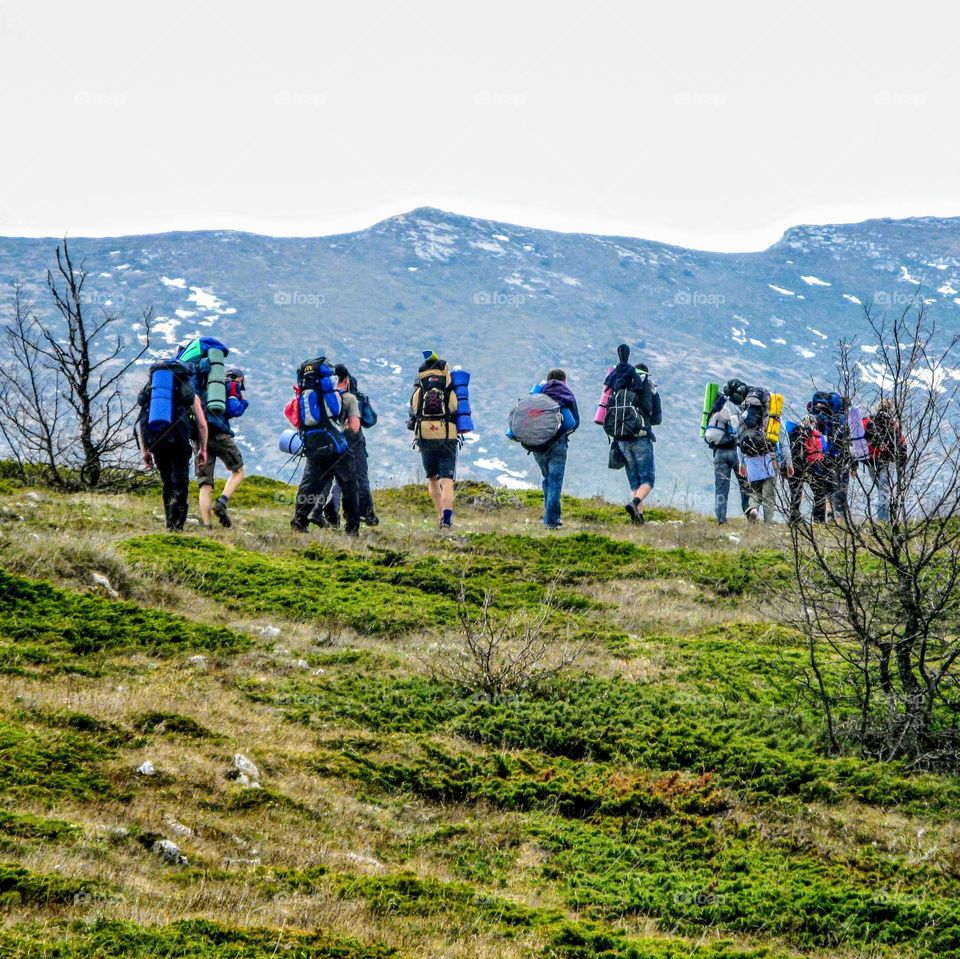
(169, 852)
(178, 829)
(245, 766)
(241, 862)
(302, 664)
(34, 497)
(733, 538)
(198, 662)
(147, 769)
(319, 672)
(368, 861)
(270, 632)
(192, 521)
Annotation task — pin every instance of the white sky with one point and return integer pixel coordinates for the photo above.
(713, 125)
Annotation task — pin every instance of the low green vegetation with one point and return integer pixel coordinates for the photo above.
(668, 796)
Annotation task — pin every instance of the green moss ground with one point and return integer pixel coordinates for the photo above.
(669, 797)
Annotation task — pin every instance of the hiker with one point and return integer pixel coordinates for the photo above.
(761, 461)
(328, 421)
(328, 512)
(169, 411)
(806, 451)
(433, 420)
(721, 436)
(887, 449)
(542, 422)
(632, 408)
(221, 444)
(829, 410)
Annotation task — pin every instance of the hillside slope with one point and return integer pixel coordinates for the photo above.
(665, 797)
(508, 302)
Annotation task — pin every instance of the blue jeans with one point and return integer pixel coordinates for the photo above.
(638, 455)
(883, 484)
(727, 462)
(552, 463)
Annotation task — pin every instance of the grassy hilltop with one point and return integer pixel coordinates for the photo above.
(665, 796)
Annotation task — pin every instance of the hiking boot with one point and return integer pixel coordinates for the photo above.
(446, 524)
(636, 515)
(298, 527)
(371, 519)
(320, 521)
(220, 511)
(332, 517)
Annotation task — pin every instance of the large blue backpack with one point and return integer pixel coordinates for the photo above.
(827, 408)
(319, 408)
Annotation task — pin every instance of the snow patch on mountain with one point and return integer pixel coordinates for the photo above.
(780, 289)
(178, 282)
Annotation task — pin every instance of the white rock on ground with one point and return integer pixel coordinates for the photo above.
(178, 829)
(198, 661)
(169, 852)
(147, 768)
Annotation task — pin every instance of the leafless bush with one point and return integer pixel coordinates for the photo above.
(496, 656)
(876, 592)
(65, 415)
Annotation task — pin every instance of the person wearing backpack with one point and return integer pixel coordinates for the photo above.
(887, 449)
(829, 410)
(221, 445)
(328, 512)
(164, 434)
(761, 462)
(433, 420)
(329, 423)
(721, 436)
(551, 456)
(809, 464)
(633, 408)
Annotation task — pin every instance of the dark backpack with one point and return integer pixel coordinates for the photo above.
(625, 420)
(754, 442)
(173, 427)
(368, 415)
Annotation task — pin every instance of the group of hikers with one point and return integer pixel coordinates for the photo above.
(187, 405)
(752, 442)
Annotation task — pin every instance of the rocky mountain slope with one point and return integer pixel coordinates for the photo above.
(508, 302)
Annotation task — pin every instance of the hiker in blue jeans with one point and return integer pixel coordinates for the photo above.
(552, 459)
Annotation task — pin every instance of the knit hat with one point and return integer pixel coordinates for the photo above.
(430, 355)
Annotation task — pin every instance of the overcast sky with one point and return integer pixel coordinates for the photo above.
(713, 125)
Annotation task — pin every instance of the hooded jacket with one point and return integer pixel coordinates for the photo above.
(561, 394)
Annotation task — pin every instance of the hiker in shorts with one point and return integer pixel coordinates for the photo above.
(222, 446)
(433, 420)
(634, 409)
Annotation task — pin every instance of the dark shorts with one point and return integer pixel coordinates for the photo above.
(223, 447)
(439, 458)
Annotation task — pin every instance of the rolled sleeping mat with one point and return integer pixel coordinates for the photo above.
(568, 421)
(464, 423)
(290, 442)
(536, 388)
(459, 378)
(601, 414)
(161, 399)
(463, 392)
(710, 395)
(463, 407)
(858, 435)
(196, 349)
(773, 421)
(216, 382)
